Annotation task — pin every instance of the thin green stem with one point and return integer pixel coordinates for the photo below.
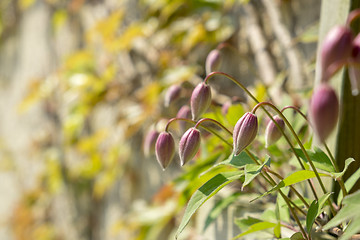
(287, 200)
(214, 121)
(217, 135)
(291, 187)
(340, 180)
(301, 146)
(199, 124)
(295, 216)
(333, 162)
(177, 119)
(269, 115)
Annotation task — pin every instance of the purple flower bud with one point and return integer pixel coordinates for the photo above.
(245, 132)
(324, 111)
(336, 50)
(149, 142)
(354, 67)
(189, 145)
(165, 149)
(200, 100)
(172, 94)
(213, 61)
(272, 133)
(184, 112)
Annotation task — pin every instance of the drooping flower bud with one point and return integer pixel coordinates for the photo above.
(189, 145)
(272, 133)
(165, 149)
(354, 66)
(172, 94)
(335, 51)
(200, 100)
(324, 111)
(150, 141)
(245, 132)
(213, 61)
(184, 112)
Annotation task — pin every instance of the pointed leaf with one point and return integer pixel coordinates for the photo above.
(256, 227)
(348, 211)
(314, 210)
(206, 191)
(349, 184)
(340, 174)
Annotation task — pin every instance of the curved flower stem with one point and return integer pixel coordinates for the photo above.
(269, 115)
(198, 124)
(340, 181)
(177, 119)
(210, 75)
(269, 179)
(301, 146)
(214, 121)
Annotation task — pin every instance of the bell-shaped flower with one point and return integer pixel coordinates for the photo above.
(150, 141)
(213, 61)
(165, 149)
(189, 145)
(172, 94)
(335, 51)
(272, 132)
(324, 111)
(200, 100)
(245, 132)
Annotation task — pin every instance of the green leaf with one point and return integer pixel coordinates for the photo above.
(350, 210)
(314, 210)
(296, 177)
(319, 158)
(297, 236)
(340, 174)
(252, 170)
(238, 161)
(351, 229)
(349, 184)
(277, 230)
(257, 227)
(219, 207)
(206, 191)
(245, 223)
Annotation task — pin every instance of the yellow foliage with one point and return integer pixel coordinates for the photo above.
(59, 18)
(24, 4)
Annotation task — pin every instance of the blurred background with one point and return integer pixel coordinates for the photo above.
(83, 81)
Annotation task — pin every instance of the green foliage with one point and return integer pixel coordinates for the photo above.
(349, 215)
(205, 192)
